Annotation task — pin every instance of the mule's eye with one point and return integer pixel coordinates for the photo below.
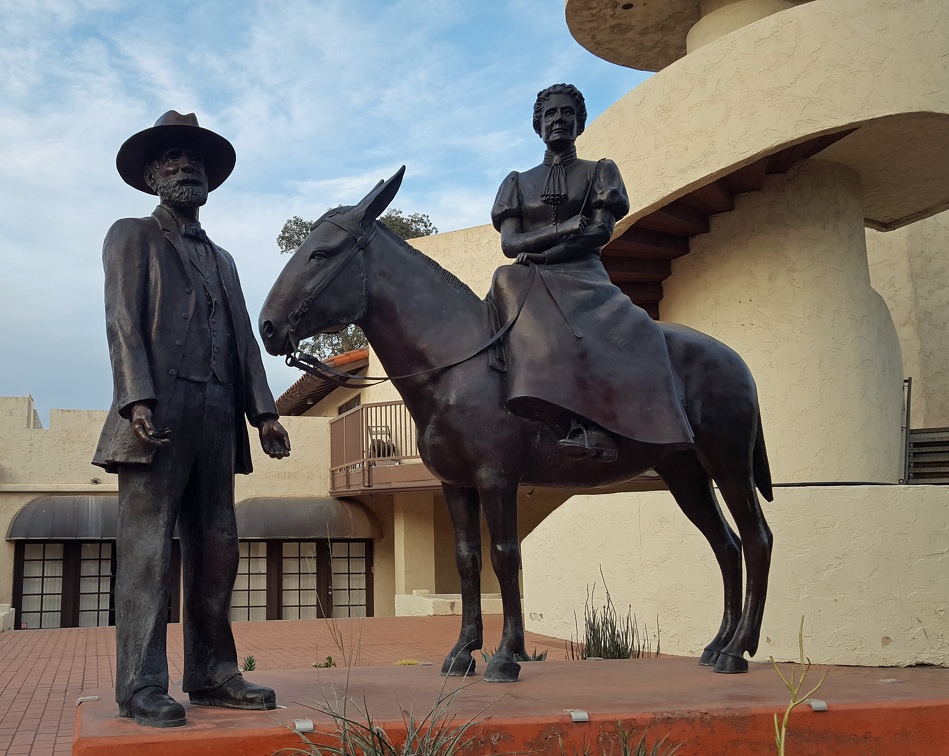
(317, 255)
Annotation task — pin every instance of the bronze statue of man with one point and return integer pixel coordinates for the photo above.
(186, 370)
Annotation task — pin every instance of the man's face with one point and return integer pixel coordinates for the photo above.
(178, 175)
(558, 122)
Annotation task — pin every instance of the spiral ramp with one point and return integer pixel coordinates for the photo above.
(772, 135)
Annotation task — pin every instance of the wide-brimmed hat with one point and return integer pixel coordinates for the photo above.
(175, 130)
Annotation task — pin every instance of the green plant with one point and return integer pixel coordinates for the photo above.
(326, 664)
(249, 664)
(531, 657)
(627, 747)
(609, 635)
(795, 686)
(434, 734)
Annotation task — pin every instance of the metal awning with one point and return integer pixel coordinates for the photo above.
(304, 518)
(66, 518)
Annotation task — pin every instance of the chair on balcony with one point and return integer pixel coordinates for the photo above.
(381, 446)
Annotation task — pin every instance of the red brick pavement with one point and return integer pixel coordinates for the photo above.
(43, 672)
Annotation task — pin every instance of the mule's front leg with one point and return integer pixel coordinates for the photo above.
(500, 511)
(465, 512)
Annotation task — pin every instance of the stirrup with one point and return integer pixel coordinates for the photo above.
(578, 444)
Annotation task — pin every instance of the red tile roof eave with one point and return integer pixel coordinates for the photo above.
(295, 400)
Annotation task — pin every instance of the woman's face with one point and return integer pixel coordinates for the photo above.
(558, 121)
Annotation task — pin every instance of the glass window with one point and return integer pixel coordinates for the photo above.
(301, 592)
(42, 585)
(300, 599)
(350, 596)
(96, 586)
(249, 597)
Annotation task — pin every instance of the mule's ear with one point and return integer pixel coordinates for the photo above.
(375, 203)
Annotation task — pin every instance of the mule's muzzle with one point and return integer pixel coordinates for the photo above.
(277, 344)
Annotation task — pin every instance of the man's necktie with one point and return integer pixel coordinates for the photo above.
(195, 232)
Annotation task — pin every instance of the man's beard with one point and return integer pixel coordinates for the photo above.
(177, 194)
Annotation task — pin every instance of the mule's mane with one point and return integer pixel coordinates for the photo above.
(445, 275)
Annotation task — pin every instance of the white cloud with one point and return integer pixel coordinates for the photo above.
(321, 99)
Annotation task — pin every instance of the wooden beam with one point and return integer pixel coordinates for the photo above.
(710, 199)
(823, 142)
(638, 242)
(748, 179)
(676, 219)
(627, 270)
(783, 160)
(643, 293)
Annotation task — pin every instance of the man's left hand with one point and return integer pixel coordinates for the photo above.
(274, 439)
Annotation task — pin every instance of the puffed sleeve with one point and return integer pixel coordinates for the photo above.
(608, 190)
(508, 202)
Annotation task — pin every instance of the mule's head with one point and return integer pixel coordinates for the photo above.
(323, 286)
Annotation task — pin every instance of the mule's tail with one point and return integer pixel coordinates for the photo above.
(761, 470)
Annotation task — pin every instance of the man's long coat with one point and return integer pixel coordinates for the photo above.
(149, 304)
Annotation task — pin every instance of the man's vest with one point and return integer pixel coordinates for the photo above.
(209, 349)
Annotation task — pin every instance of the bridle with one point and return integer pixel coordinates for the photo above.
(361, 242)
(319, 369)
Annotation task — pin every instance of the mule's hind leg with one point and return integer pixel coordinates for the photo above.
(500, 510)
(742, 501)
(465, 511)
(691, 486)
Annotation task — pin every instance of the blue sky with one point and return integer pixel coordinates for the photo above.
(320, 99)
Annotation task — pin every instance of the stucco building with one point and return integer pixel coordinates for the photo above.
(786, 167)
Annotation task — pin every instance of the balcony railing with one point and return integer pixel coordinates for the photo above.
(373, 448)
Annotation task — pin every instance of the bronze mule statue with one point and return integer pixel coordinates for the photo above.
(429, 331)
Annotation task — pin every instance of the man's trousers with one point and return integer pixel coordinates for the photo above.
(191, 482)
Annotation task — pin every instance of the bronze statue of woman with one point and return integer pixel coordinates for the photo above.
(580, 355)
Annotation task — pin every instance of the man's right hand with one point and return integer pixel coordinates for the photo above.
(143, 428)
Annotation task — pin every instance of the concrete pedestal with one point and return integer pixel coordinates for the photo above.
(870, 712)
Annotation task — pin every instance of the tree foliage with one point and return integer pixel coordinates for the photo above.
(295, 230)
(293, 234)
(408, 226)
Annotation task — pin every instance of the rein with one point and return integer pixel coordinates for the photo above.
(315, 367)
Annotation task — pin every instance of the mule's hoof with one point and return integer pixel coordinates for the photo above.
(729, 664)
(459, 665)
(502, 672)
(709, 657)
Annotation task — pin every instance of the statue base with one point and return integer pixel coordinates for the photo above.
(885, 710)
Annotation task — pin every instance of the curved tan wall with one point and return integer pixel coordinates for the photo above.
(865, 567)
(821, 67)
(784, 281)
(910, 269)
(721, 17)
